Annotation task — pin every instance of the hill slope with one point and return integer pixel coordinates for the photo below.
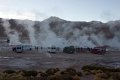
(58, 32)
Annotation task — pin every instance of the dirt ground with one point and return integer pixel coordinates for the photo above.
(40, 61)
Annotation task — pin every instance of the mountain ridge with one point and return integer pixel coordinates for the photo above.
(55, 31)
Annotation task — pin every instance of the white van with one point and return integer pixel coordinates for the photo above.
(21, 48)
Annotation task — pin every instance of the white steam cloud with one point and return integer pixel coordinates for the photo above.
(12, 34)
(61, 33)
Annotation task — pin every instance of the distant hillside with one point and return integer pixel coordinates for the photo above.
(58, 32)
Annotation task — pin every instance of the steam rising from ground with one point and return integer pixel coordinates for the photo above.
(12, 34)
(57, 32)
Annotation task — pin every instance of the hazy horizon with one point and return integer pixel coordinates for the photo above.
(72, 10)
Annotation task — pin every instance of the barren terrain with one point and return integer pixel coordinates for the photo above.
(39, 61)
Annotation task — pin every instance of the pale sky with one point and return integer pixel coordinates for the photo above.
(73, 10)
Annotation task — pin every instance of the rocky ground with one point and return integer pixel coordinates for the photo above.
(40, 61)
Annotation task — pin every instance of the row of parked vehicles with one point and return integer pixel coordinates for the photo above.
(70, 49)
(95, 50)
(24, 48)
